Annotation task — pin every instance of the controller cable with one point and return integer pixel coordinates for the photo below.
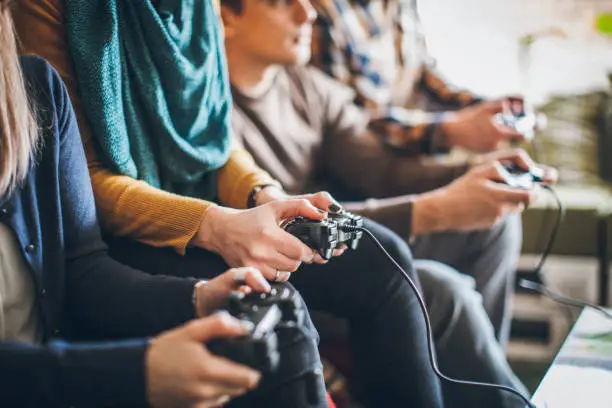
(527, 284)
(430, 345)
(557, 213)
(542, 289)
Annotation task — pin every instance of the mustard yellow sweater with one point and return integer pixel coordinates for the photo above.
(129, 207)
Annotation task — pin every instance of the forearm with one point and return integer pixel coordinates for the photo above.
(395, 213)
(61, 375)
(362, 163)
(412, 132)
(109, 299)
(443, 96)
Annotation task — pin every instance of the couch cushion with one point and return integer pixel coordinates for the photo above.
(585, 206)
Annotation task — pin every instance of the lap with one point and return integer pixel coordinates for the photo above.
(343, 286)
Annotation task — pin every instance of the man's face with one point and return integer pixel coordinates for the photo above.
(272, 31)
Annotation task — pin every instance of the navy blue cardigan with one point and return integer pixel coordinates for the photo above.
(78, 286)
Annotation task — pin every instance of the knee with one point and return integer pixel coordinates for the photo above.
(448, 293)
(508, 235)
(393, 244)
(305, 318)
(384, 278)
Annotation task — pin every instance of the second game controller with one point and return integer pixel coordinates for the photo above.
(268, 312)
(326, 235)
(322, 236)
(351, 235)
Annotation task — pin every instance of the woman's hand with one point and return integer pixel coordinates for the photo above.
(209, 296)
(322, 200)
(255, 238)
(181, 372)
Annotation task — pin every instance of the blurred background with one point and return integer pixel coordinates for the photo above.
(567, 53)
(558, 53)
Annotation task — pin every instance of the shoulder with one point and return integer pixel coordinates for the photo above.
(313, 80)
(47, 93)
(42, 80)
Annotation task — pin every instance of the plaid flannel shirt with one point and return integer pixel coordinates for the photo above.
(378, 48)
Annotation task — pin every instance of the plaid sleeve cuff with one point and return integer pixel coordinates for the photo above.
(433, 140)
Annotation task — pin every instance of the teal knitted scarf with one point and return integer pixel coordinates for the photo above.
(154, 85)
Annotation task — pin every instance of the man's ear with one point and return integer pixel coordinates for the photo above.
(228, 18)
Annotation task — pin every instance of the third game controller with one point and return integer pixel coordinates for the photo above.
(521, 178)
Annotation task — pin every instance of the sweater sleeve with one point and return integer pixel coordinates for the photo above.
(61, 374)
(240, 176)
(128, 207)
(351, 145)
(102, 295)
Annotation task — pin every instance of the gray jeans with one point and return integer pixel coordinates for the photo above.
(489, 256)
(465, 341)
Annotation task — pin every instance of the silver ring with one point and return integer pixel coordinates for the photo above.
(278, 273)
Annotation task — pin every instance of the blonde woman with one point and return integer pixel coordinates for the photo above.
(56, 280)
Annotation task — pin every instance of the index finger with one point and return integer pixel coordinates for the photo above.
(508, 133)
(324, 201)
(518, 157)
(511, 195)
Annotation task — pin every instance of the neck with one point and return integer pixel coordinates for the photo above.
(250, 76)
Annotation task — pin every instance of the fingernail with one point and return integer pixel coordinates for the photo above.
(320, 211)
(247, 326)
(334, 207)
(264, 283)
(255, 381)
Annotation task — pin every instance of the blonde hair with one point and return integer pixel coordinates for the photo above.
(18, 129)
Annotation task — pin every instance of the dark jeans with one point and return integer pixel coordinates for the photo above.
(387, 330)
(298, 382)
(490, 256)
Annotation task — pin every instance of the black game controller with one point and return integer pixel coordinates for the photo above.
(322, 236)
(269, 313)
(326, 235)
(349, 236)
(521, 178)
